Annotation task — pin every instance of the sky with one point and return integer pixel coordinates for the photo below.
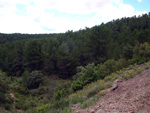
(59, 16)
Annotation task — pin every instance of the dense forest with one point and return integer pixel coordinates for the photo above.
(62, 53)
(89, 53)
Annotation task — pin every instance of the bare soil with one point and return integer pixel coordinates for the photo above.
(131, 96)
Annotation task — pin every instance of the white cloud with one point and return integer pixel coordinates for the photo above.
(75, 6)
(37, 20)
(139, 0)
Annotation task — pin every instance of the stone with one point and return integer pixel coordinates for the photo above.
(100, 111)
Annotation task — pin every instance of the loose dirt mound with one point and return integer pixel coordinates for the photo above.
(132, 96)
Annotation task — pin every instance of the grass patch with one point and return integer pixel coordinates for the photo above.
(129, 74)
(139, 71)
(92, 93)
(88, 104)
(108, 78)
(66, 110)
(102, 93)
(77, 100)
(147, 65)
(108, 84)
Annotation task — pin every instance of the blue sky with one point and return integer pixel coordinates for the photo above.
(139, 5)
(55, 16)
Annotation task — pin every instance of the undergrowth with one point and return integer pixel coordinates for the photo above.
(63, 98)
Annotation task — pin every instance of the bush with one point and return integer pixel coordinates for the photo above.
(59, 94)
(10, 100)
(22, 105)
(42, 109)
(121, 63)
(7, 106)
(19, 105)
(77, 100)
(3, 88)
(92, 93)
(77, 85)
(141, 53)
(102, 93)
(103, 71)
(111, 66)
(84, 76)
(33, 100)
(34, 79)
(2, 97)
(129, 74)
(108, 78)
(106, 68)
(60, 103)
(147, 65)
(67, 110)
(108, 84)
(21, 89)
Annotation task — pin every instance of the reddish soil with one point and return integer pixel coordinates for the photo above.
(52, 77)
(132, 96)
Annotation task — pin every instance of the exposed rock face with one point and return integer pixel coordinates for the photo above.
(115, 84)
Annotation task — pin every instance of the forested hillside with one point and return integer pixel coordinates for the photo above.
(17, 36)
(62, 53)
(86, 55)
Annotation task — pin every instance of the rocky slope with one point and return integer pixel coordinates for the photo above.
(131, 96)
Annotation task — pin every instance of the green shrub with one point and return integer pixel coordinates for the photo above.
(33, 110)
(77, 85)
(103, 71)
(84, 76)
(108, 84)
(3, 88)
(19, 105)
(108, 78)
(129, 74)
(102, 93)
(101, 87)
(60, 103)
(108, 67)
(92, 93)
(111, 65)
(21, 89)
(42, 109)
(88, 103)
(22, 105)
(147, 65)
(139, 70)
(9, 99)
(77, 100)
(2, 97)
(140, 62)
(114, 76)
(34, 79)
(33, 100)
(24, 76)
(26, 106)
(19, 97)
(7, 106)
(41, 90)
(67, 110)
(59, 94)
(142, 53)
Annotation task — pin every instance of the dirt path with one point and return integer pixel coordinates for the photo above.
(132, 96)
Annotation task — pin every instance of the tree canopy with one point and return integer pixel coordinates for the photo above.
(62, 53)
